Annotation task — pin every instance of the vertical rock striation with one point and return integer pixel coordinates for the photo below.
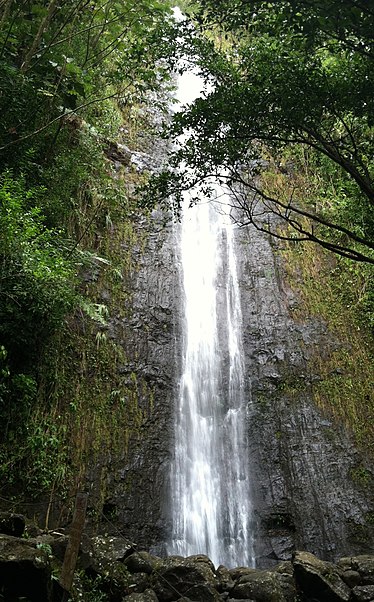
(304, 495)
(302, 462)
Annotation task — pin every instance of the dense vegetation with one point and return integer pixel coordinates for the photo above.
(291, 82)
(72, 74)
(287, 123)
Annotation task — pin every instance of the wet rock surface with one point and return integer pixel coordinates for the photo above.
(136, 481)
(12, 524)
(321, 577)
(26, 570)
(305, 578)
(302, 463)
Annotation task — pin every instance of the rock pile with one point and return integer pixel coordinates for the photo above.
(120, 573)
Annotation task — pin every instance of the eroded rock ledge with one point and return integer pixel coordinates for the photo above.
(119, 572)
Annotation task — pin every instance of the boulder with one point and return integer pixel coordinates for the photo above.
(12, 524)
(147, 596)
(265, 586)
(56, 541)
(190, 577)
(103, 557)
(24, 570)
(351, 578)
(112, 548)
(318, 579)
(364, 565)
(239, 571)
(114, 579)
(138, 583)
(225, 580)
(141, 562)
(202, 558)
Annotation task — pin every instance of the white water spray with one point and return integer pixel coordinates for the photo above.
(211, 510)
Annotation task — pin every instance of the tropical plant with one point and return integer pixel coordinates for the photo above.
(288, 79)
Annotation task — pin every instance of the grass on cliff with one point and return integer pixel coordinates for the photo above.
(340, 293)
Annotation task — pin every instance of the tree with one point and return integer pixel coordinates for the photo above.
(291, 77)
(61, 57)
(68, 68)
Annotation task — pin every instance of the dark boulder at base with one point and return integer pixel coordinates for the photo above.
(12, 524)
(225, 580)
(141, 562)
(111, 548)
(363, 565)
(319, 580)
(192, 577)
(24, 570)
(110, 566)
(266, 586)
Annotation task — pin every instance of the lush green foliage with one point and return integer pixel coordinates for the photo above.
(292, 86)
(339, 293)
(36, 277)
(289, 75)
(36, 293)
(70, 71)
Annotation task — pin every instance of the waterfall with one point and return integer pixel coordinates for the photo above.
(210, 486)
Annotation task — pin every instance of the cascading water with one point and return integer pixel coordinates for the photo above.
(211, 510)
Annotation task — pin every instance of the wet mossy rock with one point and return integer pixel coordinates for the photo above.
(142, 562)
(266, 586)
(111, 548)
(25, 570)
(363, 565)
(112, 568)
(193, 577)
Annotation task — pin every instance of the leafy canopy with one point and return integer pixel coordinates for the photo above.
(287, 75)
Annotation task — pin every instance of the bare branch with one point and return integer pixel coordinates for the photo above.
(299, 211)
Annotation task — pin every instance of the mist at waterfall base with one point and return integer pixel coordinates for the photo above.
(210, 483)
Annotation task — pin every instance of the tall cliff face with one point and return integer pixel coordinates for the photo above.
(303, 464)
(135, 485)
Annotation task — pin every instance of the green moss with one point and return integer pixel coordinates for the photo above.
(334, 292)
(370, 518)
(358, 534)
(362, 476)
(83, 407)
(327, 291)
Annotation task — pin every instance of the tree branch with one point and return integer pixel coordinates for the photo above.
(62, 115)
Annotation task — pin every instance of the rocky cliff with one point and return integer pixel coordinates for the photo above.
(305, 468)
(304, 463)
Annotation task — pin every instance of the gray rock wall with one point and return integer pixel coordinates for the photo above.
(301, 462)
(137, 485)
